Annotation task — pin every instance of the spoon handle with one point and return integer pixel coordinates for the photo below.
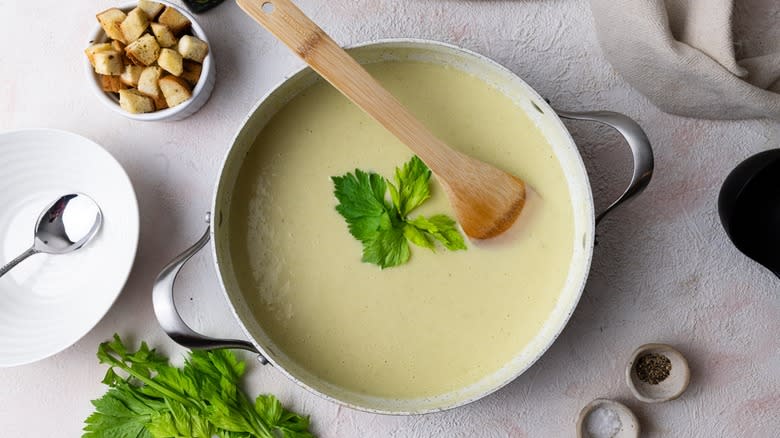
(8, 266)
(291, 26)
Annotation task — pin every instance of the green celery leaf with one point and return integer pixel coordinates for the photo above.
(418, 237)
(288, 424)
(112, 378)
(178, 381)
(181, 418)
(227, 364)
(163, 425)
(222, 433)
(103, 426)
(292, 425)
(442, 228)
(121, 413)
(361, 197)
(395, 196)
(268, 407)
(389, 248)
(412, 186)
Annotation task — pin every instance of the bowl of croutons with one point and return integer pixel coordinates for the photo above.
(150, 61)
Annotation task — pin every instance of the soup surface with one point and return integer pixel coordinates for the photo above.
(444, 320)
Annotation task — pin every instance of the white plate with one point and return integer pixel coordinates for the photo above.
(49, 302)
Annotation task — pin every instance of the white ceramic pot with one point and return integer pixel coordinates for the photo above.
(525, 97)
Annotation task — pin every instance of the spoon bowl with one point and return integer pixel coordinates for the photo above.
(749, 208)
(66, 225)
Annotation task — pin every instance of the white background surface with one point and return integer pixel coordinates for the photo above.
(663, 270)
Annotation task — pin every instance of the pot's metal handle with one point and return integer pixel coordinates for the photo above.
(169, 318)
(637, 141)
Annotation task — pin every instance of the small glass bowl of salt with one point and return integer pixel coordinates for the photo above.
(604, 418)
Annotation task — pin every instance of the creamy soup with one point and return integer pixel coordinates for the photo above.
(442, 321)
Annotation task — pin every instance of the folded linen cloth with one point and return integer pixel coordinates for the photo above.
(681, 55)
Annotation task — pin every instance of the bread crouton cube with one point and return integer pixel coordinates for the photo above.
(111, 20)
(165, 37)
(109, 62)
(135, 102)
(95, 48)
(151, 8)
(134, 25)
(171, 61)
(175, 90)
(117, 45)
(191, 71)
(143, 51)
(175, 20)
(120, 47)
(131, 75)
(111, 84)
(147, 82)
(160, 103)
(193, 48)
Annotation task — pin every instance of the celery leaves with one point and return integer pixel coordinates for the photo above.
(384, 228)
(150, 398)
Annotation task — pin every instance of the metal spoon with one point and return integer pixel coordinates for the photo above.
(749, 207)
(65, 226)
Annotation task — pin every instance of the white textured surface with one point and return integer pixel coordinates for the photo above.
(663, 270)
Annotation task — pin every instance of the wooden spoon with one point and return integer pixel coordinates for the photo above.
(486, 200)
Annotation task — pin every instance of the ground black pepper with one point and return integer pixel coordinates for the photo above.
(653, 368)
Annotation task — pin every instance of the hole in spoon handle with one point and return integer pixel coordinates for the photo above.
(267, 7)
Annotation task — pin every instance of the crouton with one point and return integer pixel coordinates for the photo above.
(171, 61)
(147, 82)
(160, 103)
(151, 8)
(95, 48)
(111, 83)
(109, 62)
(111, 20)
(193, 48)
(134, 25)
(175, 90)
(175, 21)
(143, 51)
(191, 71)
(135, 102)
(165, 37)
(118, 46)
(131, 75)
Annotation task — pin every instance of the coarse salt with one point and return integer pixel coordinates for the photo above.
(603, 422)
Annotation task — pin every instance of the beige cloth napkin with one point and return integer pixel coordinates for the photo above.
(681, 54)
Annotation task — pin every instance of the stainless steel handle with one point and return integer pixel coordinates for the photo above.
(169, 318)
(10, 265)
(636, 138)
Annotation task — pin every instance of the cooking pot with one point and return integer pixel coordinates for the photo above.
(546, 119)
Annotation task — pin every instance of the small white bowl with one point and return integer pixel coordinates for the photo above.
(200, 94)
(671, 387)
(629, 425)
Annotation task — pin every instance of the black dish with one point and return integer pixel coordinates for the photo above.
(199, 6)
(749, 208)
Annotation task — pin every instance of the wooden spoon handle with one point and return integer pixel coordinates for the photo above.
(291, 26)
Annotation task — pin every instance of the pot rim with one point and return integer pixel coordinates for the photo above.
(588, 244)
